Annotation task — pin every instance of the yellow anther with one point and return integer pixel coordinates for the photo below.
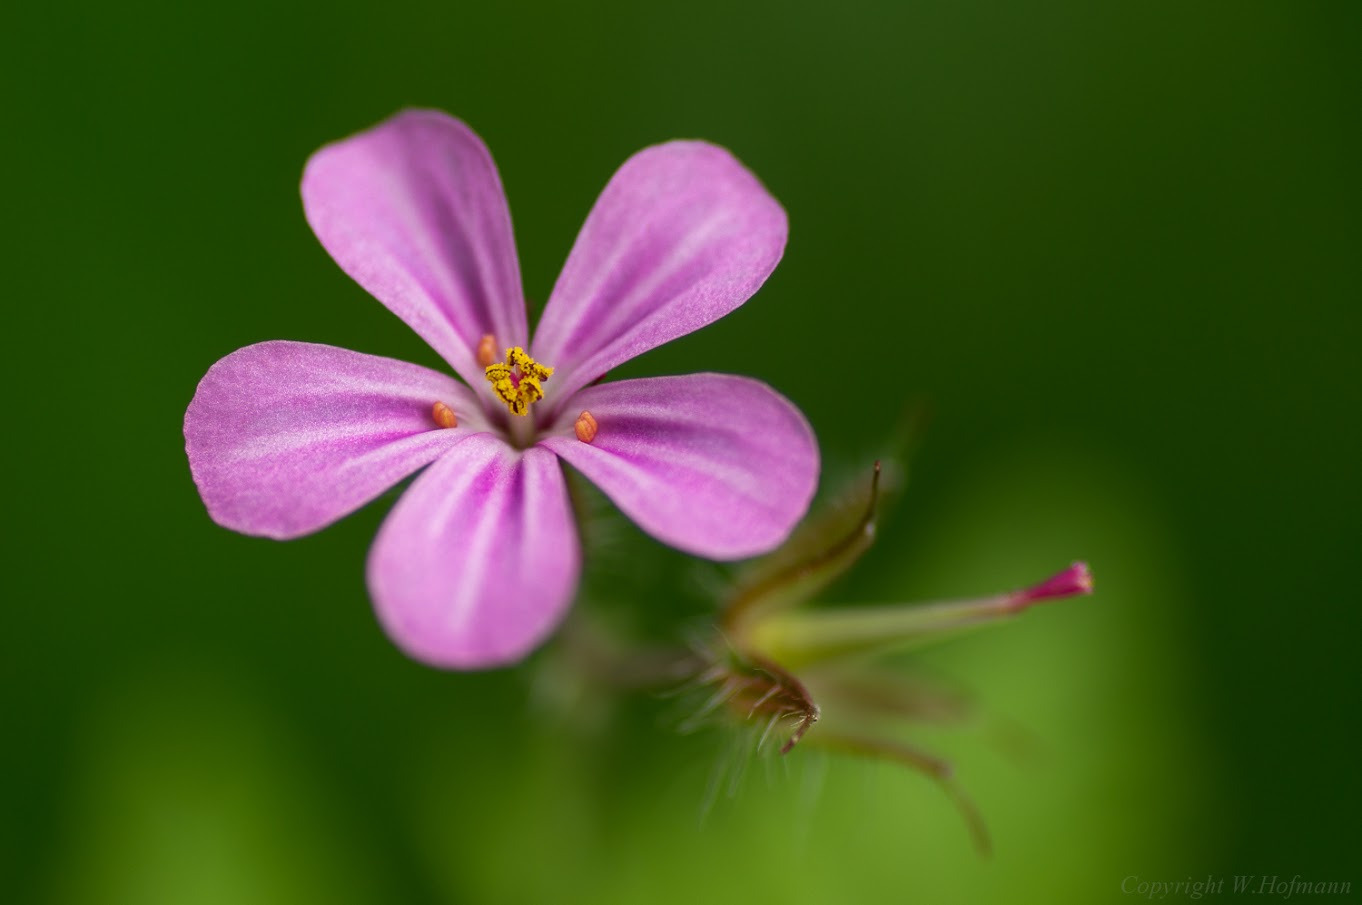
(527, 365)
(517, 382)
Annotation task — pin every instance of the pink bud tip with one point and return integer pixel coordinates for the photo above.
(1072, 581)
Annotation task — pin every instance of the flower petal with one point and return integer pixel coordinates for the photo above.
(716, 465)
(478, 561)
(682, 235)
(285, 438)
(414, 211)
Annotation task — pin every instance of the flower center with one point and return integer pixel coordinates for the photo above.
(516, 382)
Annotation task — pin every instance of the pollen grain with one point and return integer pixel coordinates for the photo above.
(517, 381)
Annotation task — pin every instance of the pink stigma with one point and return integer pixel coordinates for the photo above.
(1072, 581)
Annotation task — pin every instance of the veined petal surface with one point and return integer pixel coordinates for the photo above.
(477, 563)
(285, 438)
(681, 235)
(414, 211)
(716, 465)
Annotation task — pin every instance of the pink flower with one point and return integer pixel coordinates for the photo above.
(478, 561)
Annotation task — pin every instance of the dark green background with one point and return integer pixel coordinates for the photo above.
(1118, 246)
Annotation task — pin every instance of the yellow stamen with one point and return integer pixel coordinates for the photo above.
(517, 382)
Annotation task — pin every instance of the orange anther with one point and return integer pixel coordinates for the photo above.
(487, 350)
(444, 415)
(585, 427)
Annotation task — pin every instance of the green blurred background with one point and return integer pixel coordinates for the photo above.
(1118, 246)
